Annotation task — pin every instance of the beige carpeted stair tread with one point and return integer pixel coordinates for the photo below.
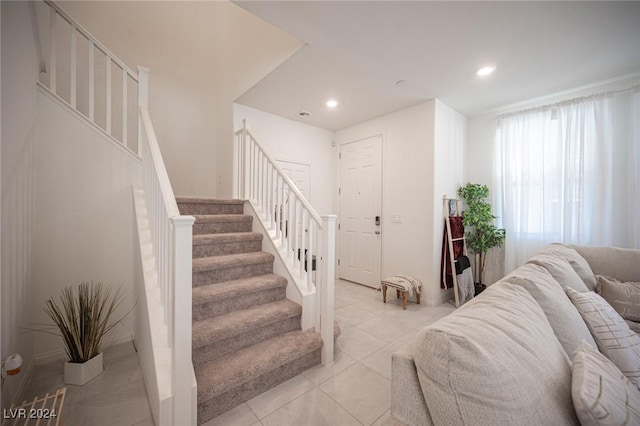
(188, 200)
(230, 261)
(218, 218)
(205, 239)
(218, 376)
(236, 323)
(229, 289)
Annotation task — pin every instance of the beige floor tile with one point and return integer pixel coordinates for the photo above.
(353, 315)
(383, 419)
(239, 416)
(320, 373)
(358, 344)
(312, 409)
(365, 394)
(383, 329)
(282, 394)
(380, 361)
(405, 338)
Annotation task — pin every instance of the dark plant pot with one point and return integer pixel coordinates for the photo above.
(479, 288)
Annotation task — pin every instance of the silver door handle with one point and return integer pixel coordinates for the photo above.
(377, 232)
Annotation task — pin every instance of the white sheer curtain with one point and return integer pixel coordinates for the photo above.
(569, 172)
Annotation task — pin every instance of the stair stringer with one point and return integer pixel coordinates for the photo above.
(296, 290)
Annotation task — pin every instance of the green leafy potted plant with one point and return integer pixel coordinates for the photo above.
(83, 320)
(482, 234)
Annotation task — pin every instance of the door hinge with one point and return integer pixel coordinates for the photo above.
(338, 262)
(339, 191)
(339, 156)
(338, 227)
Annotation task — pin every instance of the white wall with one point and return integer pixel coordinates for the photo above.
(480, 147)
(202, 56)
(448, 174)
(19, 108)
(407, 190)
(84, 218)
(290, 140)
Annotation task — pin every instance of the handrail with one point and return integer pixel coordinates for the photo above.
(170, 202)
(305, 241)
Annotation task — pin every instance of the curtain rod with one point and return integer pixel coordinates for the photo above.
(635, 87)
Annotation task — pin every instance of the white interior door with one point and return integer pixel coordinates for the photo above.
(360, 206)
(300, 174)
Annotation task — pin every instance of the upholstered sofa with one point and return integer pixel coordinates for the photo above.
(506, 356)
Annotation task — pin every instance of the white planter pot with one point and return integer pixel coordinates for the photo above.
(81, 373)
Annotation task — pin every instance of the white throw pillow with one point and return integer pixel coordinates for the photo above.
(495, 361)
(613, 336)
(561, 270)
(564, 318)
(601, 394)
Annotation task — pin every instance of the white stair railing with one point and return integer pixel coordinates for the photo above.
(305, 241)
(169, 232)
(72, 77)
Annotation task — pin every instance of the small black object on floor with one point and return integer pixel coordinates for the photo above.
(480, 288)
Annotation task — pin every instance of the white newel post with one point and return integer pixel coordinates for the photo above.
(327, 290)
(143, 100)
(181, 348)
(246, 146)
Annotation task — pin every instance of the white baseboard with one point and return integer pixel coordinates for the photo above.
(60, 355)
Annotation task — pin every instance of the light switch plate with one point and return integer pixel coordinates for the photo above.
(396, 218)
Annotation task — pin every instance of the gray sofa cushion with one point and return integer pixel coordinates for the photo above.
(577, 262)
(496, 361)
(564, 318)
(561, 270)
(621, 264)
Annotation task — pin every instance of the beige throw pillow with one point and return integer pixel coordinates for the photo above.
(601, 394)
(623, 297)
(613, 336)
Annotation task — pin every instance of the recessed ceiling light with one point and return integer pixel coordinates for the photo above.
(332, 103)
(400, 82)
(484, 71)
(304, 114)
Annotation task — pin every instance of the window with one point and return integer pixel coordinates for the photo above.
(568, 173)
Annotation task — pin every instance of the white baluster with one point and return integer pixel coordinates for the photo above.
(125, 80)
(309, 257)
(92, 82)
(52, 49)
(73, 67)
(108, 71)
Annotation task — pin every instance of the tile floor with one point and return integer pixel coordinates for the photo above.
(117, 397)
(354, 390)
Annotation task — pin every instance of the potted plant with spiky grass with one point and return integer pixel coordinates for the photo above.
(83, 320)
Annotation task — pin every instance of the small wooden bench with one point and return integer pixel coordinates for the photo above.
(404, 286)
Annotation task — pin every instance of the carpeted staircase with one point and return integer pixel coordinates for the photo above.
(246, 333)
